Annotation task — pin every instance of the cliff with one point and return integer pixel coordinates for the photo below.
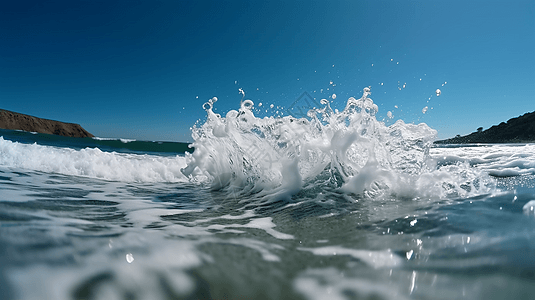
(516, 130)
(15, 121)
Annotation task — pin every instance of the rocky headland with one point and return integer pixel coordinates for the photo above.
(516, 130)
(15, 121)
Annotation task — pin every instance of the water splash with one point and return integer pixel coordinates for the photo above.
(349, 151)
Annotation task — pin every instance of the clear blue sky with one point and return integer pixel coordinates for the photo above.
(143, 69)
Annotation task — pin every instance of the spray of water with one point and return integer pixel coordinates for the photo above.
(349, 151)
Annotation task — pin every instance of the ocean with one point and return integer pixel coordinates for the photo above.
(336, 205)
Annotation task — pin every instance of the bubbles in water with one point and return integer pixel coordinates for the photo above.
(438, 92)
(424, 110)
(333, 96)
(389, 115)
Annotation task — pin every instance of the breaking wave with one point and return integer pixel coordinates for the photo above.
(346, 151)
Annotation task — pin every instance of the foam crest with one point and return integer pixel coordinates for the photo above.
(278, 156)
(91, 162)
(499, 160)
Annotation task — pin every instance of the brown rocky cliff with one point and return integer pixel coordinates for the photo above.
(15, 121)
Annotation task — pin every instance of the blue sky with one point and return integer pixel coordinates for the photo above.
(143, 69)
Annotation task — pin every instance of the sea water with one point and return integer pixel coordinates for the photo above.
(333, 206)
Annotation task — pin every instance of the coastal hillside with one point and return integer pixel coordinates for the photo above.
(15, 121)
(516, 130)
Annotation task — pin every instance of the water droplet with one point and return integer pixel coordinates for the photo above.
(438, 92)
(129, 258)
(247, 104)
(333, 96)
(409, 254)
(529, 208)
(207, 106)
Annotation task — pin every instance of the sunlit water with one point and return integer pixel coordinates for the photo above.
(335, 206)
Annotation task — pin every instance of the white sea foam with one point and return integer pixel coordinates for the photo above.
(375, 259)
(330, 283)
(278, 156)
(114, 139)
(496, 159)
(91, 162)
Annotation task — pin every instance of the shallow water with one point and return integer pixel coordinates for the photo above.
(70, 237)
(295, 217)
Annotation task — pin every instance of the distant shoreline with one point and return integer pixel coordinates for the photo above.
(516, 130)
(17, 121)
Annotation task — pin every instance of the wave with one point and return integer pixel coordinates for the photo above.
(346, 151)
(329, 152)
(113, 139)
(499, 160)
(92, 162)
